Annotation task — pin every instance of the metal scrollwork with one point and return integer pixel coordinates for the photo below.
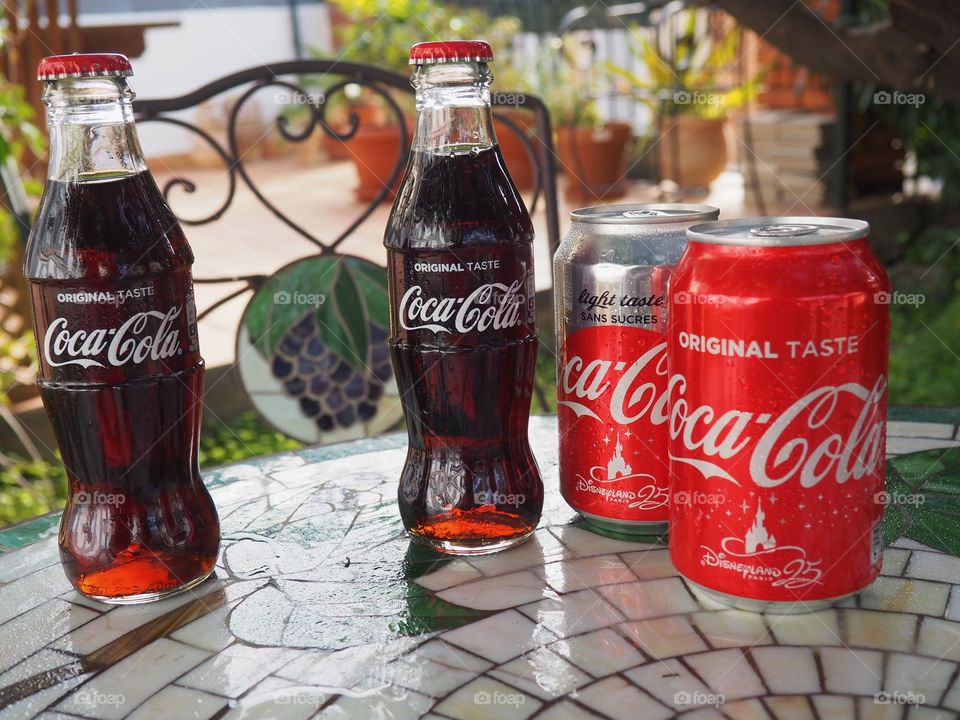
(353, 119)
(403, 151)
(188, 185)
(318, 118)
(383, 84)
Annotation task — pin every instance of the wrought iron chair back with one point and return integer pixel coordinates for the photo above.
(326, 411)
(539, 148)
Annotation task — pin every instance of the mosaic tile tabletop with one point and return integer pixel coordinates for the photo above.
(321, 608)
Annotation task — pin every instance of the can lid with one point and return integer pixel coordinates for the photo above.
(450, 51)
(57, 67)
(644, 214)
(779, 231)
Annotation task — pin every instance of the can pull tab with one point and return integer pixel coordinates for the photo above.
(784, 230)
(644, 213)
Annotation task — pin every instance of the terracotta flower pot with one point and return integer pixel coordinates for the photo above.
(692, 151)
(514, 154)
(373, 151)
(334, 148)
(369, 114)
(594, 160)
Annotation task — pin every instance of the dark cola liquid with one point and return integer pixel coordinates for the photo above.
(122, 382)
(460, 235)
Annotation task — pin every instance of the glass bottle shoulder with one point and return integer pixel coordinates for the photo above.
(457, 199)
(113, 227)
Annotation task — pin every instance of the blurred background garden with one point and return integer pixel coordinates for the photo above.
(821, 107)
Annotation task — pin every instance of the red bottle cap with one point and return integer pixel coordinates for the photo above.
(57, 67)
(430, 53)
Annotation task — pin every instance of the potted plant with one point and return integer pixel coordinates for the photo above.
(510, 87)
(592, 153)
(386, 43)
(21, 141)
(689, 87)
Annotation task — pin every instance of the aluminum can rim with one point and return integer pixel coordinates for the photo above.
(644, 214)
(779, 231)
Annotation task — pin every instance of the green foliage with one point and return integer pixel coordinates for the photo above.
(244, 437)
(924, 349)
(18, 133)
(381, 32)
(29, 488)
(924, 340)
(930, 127)
(686, 71)
(18, 357)
(568, 80)
(18, 136)
(28, 485)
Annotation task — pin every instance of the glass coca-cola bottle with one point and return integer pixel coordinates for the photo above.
(120, 372)
(463, 340)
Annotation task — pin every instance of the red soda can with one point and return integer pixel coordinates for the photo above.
(778, 347)
(611, 274)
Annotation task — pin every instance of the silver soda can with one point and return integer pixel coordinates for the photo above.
(610, 294)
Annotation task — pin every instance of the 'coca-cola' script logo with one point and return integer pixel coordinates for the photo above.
(636, 393)
(492, 306)
(138, 339)
(806, 442)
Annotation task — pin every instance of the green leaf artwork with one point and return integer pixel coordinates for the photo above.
(320, 324)
(344, 294)
(923, 499)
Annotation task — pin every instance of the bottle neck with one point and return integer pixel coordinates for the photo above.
(453, 108)
(92, 133)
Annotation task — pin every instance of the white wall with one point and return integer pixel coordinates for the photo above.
(208, 44)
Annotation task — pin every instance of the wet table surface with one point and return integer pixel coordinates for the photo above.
(321, 608)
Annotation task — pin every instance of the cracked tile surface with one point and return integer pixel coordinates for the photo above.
(321, 608)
